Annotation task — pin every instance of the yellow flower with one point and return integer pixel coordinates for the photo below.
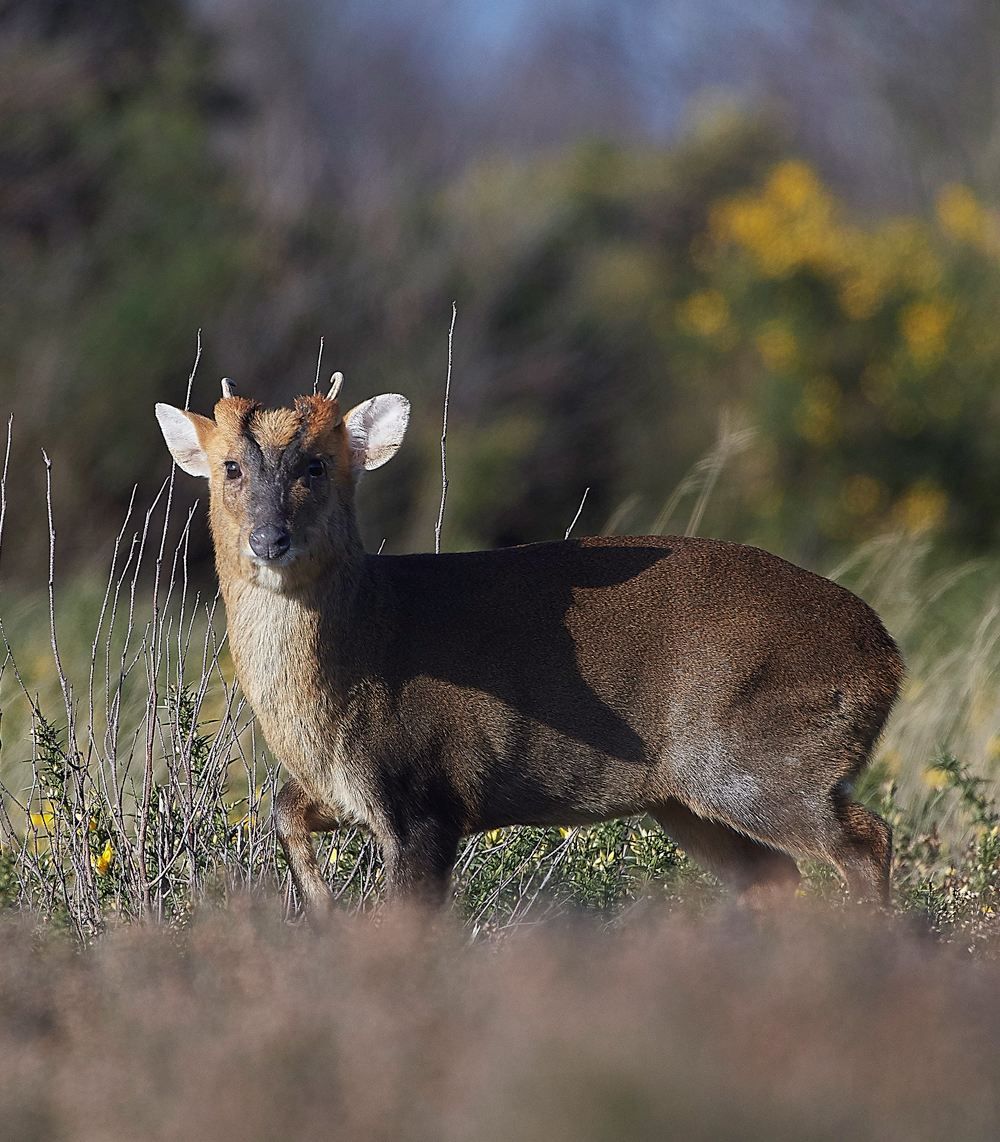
(103, 862)
(861, 296)
(816, 417)
(892, 759)
(925, 327)
(42, 820)
(861, 495)
(794, 185)
(776, 344)
(960, 213)
(493, 837)
(706, 312)
(922, 506)
(935, 778)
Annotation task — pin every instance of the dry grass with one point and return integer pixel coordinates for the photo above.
(947, 623)
(247, 1029)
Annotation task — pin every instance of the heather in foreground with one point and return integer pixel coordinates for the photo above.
(813, 1027)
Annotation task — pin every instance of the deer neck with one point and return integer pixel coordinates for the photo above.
(296, 659)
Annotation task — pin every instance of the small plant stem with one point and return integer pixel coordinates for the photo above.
(319, 365)
(444, 435)
(579, 510)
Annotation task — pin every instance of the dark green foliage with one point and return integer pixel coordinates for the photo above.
(120, 237)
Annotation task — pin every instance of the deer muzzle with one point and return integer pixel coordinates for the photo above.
(269, 541)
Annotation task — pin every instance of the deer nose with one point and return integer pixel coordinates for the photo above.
(269, 542)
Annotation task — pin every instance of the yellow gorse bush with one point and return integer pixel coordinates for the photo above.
(870, 353)
(787, 225)
(103, 862)
(925, 328)
(793, 223)
(706, 312)
(43, 820)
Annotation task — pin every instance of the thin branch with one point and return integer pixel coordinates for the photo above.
(64, 685)
(319, 365)
(3, 479)
(586, 492)
(194, 369)
(444, 436)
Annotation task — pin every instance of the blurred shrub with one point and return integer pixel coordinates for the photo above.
(624, 297)
(119, 238)
(122, 233)
(569, 271)
(871, 353)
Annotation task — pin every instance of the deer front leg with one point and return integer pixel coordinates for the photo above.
(295, 817)
(418, 866)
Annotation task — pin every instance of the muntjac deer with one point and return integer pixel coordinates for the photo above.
(729, 694)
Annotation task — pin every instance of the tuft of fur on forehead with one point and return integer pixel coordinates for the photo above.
(319, 418)
(310, 422)
(233, 414)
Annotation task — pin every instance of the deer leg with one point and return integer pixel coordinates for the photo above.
(757, 873)
(295, 817)
(418, 867)
(861, 849)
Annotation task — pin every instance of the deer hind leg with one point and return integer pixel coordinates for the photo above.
(852, 838)
(860, 846)
(830, 827)
(757, 873)
(295, 818)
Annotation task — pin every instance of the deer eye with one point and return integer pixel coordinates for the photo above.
(233, 470)
(315, 469)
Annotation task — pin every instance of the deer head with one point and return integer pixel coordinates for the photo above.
(282, 481)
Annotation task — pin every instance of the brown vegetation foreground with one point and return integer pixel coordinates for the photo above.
(820, 1026)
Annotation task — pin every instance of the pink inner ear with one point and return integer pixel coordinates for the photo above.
(376, 429)
(184, 436)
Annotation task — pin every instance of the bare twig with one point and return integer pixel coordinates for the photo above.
(444, 436)
(194, 369)
(319, 365)
(3, 478)
(579, 510)
(63, 684)
(153, 651)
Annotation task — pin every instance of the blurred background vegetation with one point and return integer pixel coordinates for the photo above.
(652, 216)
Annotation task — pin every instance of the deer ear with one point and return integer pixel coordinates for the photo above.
(376, 429)
(183, 432)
